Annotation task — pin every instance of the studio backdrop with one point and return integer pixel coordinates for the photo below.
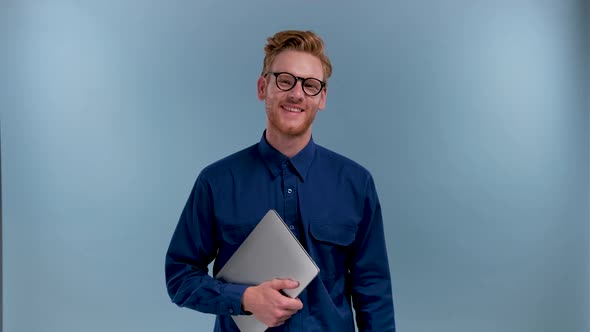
(472, 116)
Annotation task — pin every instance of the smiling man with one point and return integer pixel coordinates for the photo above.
(329, 202)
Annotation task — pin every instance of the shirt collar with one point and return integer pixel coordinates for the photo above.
(274, 159)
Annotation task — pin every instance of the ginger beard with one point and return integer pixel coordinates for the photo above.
(297, 124)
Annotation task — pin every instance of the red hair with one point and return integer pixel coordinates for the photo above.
(305, 41)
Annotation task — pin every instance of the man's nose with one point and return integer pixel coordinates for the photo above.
(297, 91)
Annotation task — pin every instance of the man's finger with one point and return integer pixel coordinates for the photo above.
(279, 284)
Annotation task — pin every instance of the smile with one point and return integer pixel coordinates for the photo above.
(292, 109)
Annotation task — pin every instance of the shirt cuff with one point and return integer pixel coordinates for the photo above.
(233, 294)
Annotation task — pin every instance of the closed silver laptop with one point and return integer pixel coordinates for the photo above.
(270, 251)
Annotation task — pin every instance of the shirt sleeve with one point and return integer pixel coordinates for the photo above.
(192, 248)
(370, 277)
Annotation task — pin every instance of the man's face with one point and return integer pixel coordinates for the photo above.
(291, 113)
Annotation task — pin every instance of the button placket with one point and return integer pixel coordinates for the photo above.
(290, 197)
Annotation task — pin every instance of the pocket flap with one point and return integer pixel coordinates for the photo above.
(336, 233)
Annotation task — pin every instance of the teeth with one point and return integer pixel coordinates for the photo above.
(293, 109)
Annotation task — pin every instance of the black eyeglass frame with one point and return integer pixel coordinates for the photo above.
(297, 78)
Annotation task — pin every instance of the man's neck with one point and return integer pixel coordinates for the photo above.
(288, 145)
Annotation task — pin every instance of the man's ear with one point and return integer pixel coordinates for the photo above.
(323, 96)
(261, 88)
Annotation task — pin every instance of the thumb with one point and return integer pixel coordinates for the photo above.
(279, 284)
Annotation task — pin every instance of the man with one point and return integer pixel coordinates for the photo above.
(328, 201)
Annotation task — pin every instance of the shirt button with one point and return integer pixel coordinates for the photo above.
(231, 311)
(289, 191)
(291, 227)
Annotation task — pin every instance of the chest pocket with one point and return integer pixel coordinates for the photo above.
(231, 238)
(334, 233)
(331, 245)
(236, 234)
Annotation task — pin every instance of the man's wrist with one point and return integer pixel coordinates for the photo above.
(245, 295)
(245, 312)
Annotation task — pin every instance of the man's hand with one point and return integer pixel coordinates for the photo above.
(268, 304)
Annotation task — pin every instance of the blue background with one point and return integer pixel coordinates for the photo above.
(473, 117)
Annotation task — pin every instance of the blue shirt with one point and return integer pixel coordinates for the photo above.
(329, 202)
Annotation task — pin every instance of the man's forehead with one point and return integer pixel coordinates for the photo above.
(298, 63)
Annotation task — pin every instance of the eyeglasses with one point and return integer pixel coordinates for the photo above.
(287, 81)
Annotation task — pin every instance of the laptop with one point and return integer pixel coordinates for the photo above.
(270, 251)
